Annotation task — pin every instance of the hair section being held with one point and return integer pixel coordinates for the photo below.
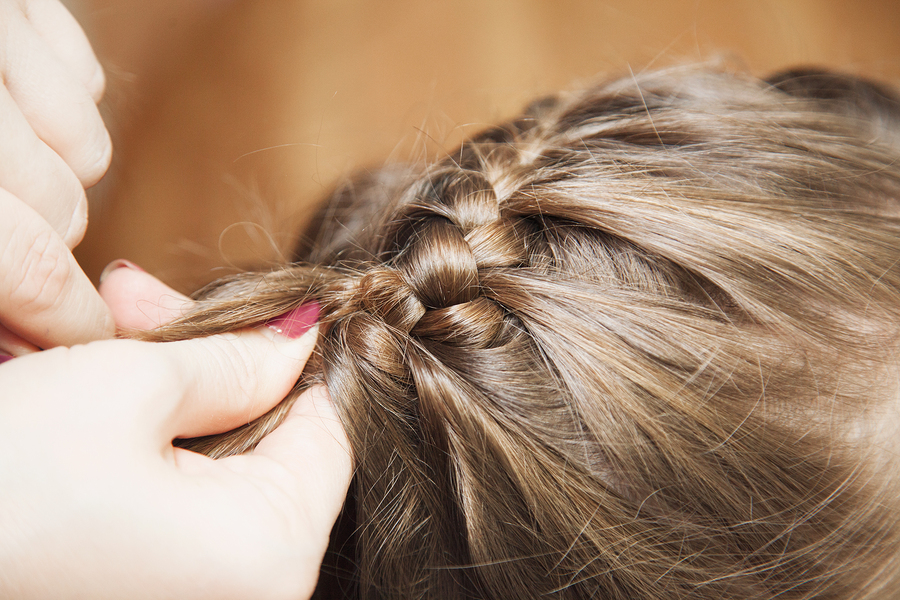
(627, 345)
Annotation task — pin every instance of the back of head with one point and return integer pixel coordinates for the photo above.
(633, 344)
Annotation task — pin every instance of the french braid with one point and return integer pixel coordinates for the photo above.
(615, 348)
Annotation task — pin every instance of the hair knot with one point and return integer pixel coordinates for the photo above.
(385, 294)
(450, 229)
(439, 265)
(479, 324)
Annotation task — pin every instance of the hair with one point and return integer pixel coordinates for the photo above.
(637, 343)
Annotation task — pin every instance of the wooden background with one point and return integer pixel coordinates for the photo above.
(231, 119)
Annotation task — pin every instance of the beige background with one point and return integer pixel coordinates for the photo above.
(232, 118)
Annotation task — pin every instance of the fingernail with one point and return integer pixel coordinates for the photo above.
(4, 358)
(119, 264)
(297, 322)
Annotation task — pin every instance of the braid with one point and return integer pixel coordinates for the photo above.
(427, 296)
(617, 347)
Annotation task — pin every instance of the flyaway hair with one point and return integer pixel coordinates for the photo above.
(637, 343)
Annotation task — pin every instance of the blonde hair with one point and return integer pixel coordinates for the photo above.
(626, 345)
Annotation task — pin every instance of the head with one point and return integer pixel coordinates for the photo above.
(639, 342)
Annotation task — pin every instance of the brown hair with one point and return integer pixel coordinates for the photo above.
(631, 344)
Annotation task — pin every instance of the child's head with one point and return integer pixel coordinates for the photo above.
(639, 342)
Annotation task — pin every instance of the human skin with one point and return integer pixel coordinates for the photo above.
(53, 144)
(234, 119)
(98, 503)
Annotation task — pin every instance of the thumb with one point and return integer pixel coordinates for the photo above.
(230, 379)
(312, 445)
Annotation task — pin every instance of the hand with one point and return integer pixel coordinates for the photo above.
(96, 501)
(52, 144)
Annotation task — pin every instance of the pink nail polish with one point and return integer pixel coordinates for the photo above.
(297, 322)
(119, 264)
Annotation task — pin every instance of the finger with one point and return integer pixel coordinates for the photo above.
(138, 300)
(56, 105)
(232, 379)
(311, 444)
(33, 172)
(13, 345)
(59, 30)
(45, 297)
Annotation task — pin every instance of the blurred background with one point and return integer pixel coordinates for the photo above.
(232, 118)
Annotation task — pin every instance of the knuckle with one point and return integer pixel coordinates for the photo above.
(240, 360)
(161, 368)
(229, 362)
(58, 197)
(96, 154)
(150, 373)
(39, 279)
(77, 222)
(96, 82)
(149, 367)
(99, 159)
